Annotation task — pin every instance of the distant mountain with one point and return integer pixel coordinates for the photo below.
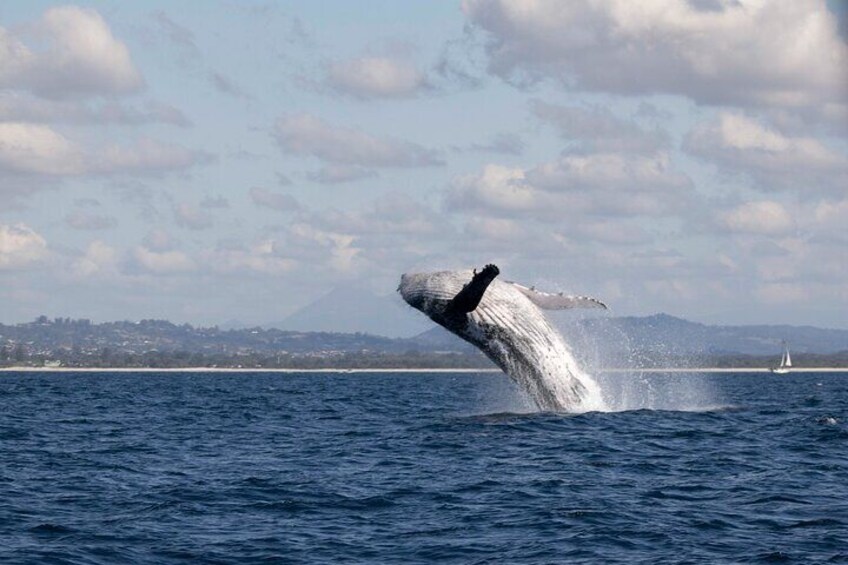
(670, 336)
(351, 309)
(439, 339)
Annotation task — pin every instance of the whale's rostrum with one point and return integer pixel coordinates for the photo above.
(505, 321)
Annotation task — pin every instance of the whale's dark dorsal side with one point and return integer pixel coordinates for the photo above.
(471, 294)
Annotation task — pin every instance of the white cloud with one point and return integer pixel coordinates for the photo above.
(145, 156)
(72, 52)
(376, 77)
(261, 257)
(785, 54)
(774, 160)
(497, 187)
(337, 250)
(763, 217)
(602, 183)
(163, 262)
(829, 219)
(304, 134)
(99, 259)
(30, 148)
(39, 149)
(610, 182)
(389, 220)
(597, 129)
(20, 246)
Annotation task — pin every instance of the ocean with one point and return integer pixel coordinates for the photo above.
(420, 468)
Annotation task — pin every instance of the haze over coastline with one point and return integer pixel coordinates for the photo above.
(242, 161)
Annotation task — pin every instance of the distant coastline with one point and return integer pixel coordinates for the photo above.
(655, 343)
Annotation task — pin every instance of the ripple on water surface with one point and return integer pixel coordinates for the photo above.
(171, 468)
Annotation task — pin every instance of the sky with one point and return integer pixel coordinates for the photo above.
(205, 162)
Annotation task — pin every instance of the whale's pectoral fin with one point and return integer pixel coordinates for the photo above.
(549, 301)
(471, 294)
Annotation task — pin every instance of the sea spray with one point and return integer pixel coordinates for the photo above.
(601, 345)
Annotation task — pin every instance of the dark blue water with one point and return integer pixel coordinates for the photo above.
(394, 468)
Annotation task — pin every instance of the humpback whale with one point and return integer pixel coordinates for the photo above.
(505, 321)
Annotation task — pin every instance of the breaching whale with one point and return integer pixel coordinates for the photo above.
(505, 321)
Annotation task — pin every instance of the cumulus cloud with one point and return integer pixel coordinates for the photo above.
(146, 156)
(787, 54)
(39, 149)
(99, 259)
(378, 239)
(304, 134)
(599, 183)
(163, 262)
(20, 246)
(740, 144)
(275, 200)
(764, 217)
(829, 218)
(32, 148)
(336, 249)
(71, 52)
(388, 219)
(637, 184)
(597, 129)
(376, 77)
(496, 188)
(261, 257)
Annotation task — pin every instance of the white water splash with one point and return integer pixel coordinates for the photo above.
(638, 389)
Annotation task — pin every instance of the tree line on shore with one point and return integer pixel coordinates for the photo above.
(108, 357)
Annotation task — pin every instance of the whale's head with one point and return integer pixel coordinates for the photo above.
(446, 293)
(430, 292)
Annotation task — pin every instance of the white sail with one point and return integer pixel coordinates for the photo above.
(785, 362)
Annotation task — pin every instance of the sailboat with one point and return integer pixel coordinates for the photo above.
(785, 362)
